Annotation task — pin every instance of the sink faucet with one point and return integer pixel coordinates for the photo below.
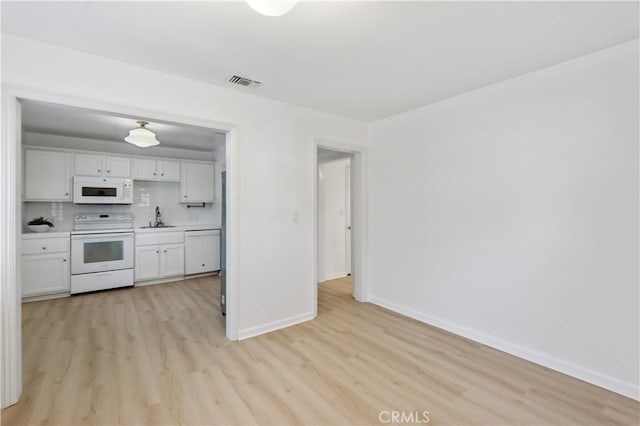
(158, 218)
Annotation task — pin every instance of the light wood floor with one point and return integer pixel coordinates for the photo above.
(158, 355)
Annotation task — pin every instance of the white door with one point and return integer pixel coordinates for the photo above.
(147, 263)
(197, 183)
(45, 274)
(118, 167)
(169, 170)
(47, 175)
(88, 165)
(172, 263)
(144, 169)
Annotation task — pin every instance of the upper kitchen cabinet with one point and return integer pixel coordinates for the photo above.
(102, 166)
(196, 185)
(47, 175)
(147, 169)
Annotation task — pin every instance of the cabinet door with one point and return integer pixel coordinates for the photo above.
(45, 274)
(47, 175)
(202, 252)
(172, 263)
(169, 170)
(147, 263)
(88, 165)
(197, 183)
(118, 167)
(144, 169)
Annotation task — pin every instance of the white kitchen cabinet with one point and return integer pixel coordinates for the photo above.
(202, 251)
(147, 263)
(47, 175)
(163, 170)
(118, 167)
(144, 169)
(45, 266)
(159, 255)
(102, 166)
(172, 260)
(169, 170)
(88, 165)
(196, 185)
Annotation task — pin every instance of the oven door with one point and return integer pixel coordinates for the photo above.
(101, 252)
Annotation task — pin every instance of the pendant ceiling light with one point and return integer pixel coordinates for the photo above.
(141, 136)
(272, 7)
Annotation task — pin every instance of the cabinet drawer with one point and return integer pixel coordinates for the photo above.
(45, 245)
(159, 238)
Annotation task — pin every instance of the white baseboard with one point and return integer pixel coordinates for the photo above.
(273, 326)
(611, 383)
(160, 281)
(334, 276)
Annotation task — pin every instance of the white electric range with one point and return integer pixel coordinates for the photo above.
(101, 251)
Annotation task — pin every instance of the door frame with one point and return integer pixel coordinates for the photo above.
(359, 216)
(11, 221)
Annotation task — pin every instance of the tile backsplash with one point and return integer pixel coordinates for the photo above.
(147, 195)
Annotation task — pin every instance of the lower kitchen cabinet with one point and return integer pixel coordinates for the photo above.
(159, 255)
(45, 266)
(171, 260)
(147, 263)
(202, 251)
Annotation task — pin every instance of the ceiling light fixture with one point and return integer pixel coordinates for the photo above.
(141, 136)
(272, 7)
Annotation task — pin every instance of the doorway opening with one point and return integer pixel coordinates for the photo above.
(334, 219)
(340, 222)
(31, 121)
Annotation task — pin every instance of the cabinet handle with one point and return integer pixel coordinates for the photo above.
(154, 173)
(203, 264)
(66, 194)
(185, 196)
(157, 251)
(165, 251)
(44, 248)
(108, 171)
(161, 174)
(64, 260)
(99, 170)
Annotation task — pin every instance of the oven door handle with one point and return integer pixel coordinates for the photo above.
(102, 236)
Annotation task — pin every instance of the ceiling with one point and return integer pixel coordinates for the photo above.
(53, 119)
(362, 60)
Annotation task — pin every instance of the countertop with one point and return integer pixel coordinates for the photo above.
(178, 228)
(27, 235)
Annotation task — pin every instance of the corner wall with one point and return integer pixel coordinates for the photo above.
(514, 216)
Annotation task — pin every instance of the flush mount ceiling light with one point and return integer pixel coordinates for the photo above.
(141, 136)
(272, 7)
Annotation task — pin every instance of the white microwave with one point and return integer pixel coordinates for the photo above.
(96, 190)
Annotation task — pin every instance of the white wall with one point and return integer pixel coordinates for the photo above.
(332, 219)
(510, 215)
(276, 155)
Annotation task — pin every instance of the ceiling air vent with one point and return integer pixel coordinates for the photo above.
(243, 81)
